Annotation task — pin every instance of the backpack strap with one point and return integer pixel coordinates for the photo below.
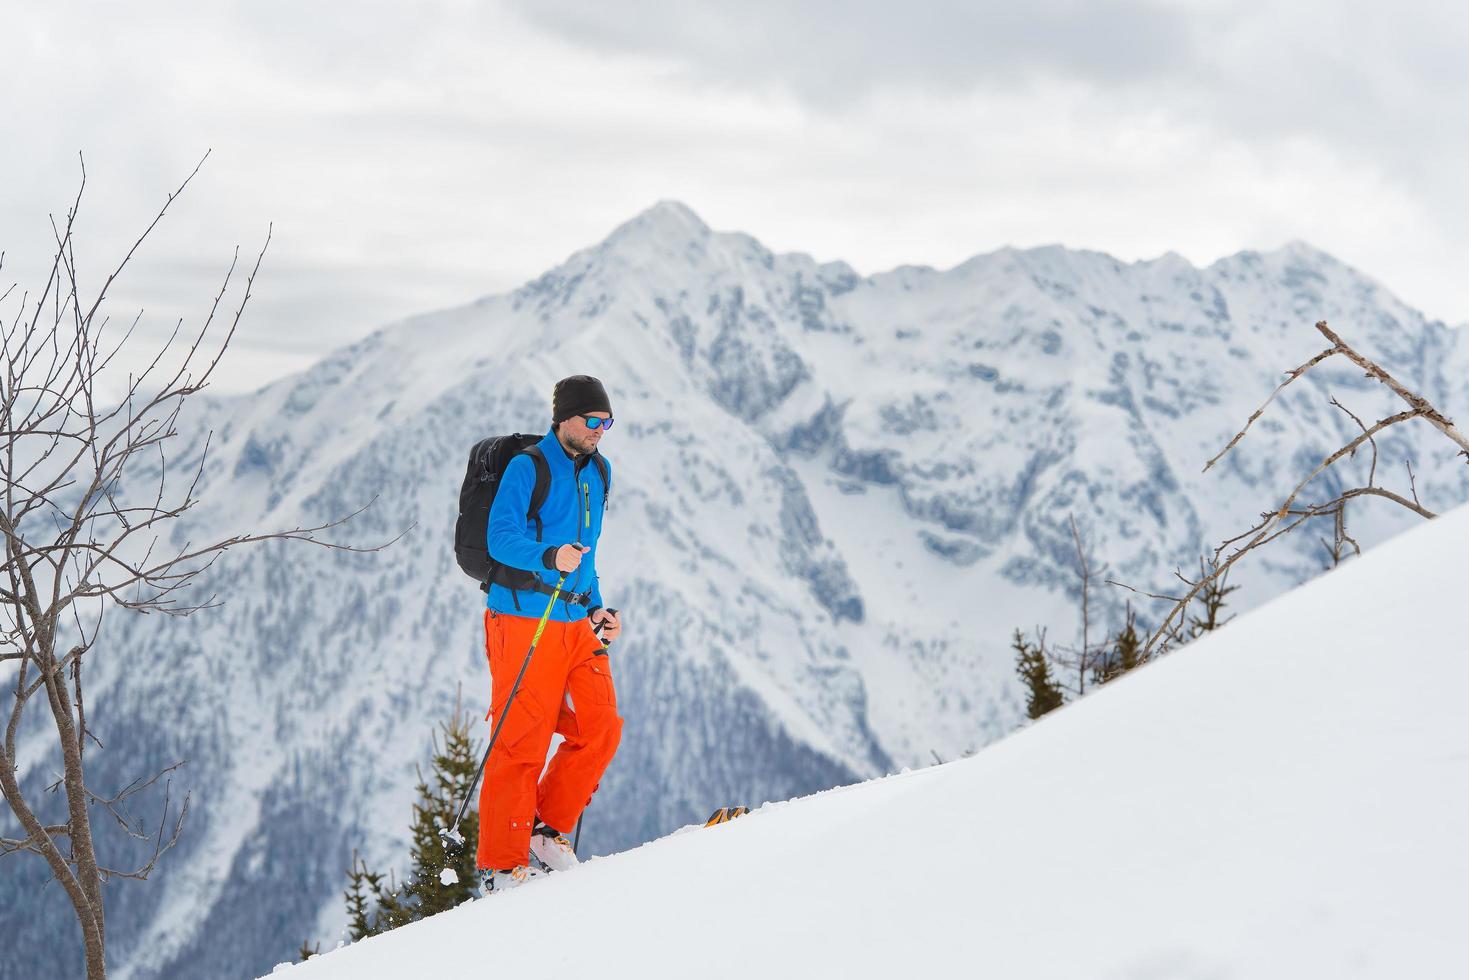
(538, 494)
(606, 472)
(542, 488)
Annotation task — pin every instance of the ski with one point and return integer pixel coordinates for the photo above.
(725, 814)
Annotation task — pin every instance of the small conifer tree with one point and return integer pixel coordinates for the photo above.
(1042, 693)
(437, 881)
(1126, 652)
(370, 904)
(1212, 596)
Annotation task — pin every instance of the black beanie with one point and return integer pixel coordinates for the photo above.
(578, 395)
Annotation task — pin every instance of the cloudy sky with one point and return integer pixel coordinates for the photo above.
(416, 156)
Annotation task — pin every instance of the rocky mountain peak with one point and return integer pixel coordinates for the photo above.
(667, 223)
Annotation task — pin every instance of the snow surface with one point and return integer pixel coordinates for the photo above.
(1287, 797)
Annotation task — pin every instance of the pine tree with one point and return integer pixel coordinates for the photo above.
(1212, 596)
(453, 771)
(373, 906)
(1127, 652)
(1043, 694)
(363, 919)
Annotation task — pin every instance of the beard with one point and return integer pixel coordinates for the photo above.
(582, 444)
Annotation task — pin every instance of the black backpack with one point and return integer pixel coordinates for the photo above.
(487, 462)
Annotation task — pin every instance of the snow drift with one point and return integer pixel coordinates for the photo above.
(1284, 798)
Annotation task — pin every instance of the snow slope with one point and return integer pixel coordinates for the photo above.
(1287, 797)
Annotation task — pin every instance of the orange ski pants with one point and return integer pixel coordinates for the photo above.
(568, 691)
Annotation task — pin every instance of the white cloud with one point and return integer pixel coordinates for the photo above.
(835, 52)
(413, 157)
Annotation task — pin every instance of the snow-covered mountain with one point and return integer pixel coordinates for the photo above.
(835, 498)
(1278, 800)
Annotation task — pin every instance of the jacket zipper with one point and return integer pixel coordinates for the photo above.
(586, 501)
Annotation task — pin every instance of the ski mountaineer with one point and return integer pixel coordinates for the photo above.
(567, 688)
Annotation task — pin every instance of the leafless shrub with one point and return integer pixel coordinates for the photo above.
(81, 537)
(1086, 659)
(1288, 515)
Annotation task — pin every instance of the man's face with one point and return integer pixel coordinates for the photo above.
(576, 434)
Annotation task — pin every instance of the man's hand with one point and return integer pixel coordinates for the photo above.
(568, 557)
(611, 621)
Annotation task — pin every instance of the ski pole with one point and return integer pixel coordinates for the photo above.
(453, 840)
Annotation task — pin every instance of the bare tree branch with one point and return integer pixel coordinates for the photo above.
(1273, 522)
(1086, 658)
(88, 490)
(1418, 403)
(1290, 376)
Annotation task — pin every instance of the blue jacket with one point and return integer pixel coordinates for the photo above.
(572, 514)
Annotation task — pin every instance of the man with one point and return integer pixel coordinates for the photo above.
(567, 688)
